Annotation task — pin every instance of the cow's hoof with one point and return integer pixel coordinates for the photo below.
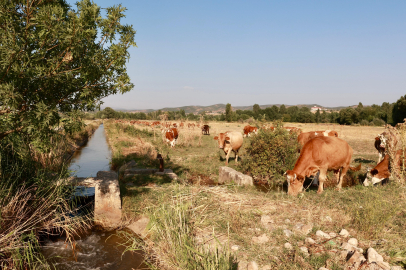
(319, 191)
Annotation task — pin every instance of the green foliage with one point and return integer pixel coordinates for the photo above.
(56, 62)
(271, 153)
(399, 110)
(229, 113)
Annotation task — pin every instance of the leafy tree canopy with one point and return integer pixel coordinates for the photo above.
(56, 61)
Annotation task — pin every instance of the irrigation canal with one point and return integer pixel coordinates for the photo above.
(94, 250)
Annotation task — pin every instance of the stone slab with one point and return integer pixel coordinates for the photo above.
(228, 175)
(107, 206)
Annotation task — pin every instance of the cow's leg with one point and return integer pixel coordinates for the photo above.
(227, 156)
(342, 173)
(322, 178)
(236, 156)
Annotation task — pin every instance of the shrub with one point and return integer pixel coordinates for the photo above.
(271, 153)
(364, 123)
(378, 122)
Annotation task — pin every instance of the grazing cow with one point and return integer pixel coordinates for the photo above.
(385, 142)
(230, 141)
(181, 125)
(383, 170)
(320, 154)
(171, 136)
(205, 130)
(249, 129)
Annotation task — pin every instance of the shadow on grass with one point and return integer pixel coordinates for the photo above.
(364, 161)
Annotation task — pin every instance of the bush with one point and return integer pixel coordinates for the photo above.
(271, 153)
(378, 122)
(364, 123)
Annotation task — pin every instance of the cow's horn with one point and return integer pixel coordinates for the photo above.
(295, 176)
(285, 173)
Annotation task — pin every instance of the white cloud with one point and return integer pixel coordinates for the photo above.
(188, 88)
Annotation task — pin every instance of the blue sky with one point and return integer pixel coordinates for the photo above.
(333, 53)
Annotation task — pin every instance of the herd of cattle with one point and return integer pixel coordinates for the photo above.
(321, 151)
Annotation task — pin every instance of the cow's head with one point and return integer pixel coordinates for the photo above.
(383, 140)
(222, 138)
(295, 183)
(374, 176)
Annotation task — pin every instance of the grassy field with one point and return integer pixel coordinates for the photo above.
(194, 222)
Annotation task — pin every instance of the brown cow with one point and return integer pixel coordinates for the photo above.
(320, 154)
(249, 129)
(304, 137)
(230, 141)
(384, 142)
(383, 170)
(171, 136)
(205, 130)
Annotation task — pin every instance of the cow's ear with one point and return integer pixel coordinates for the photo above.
(376, 138)
(216, 138)
(374, 171)
(227, 138)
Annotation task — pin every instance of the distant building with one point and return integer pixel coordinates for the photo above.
(315, 108)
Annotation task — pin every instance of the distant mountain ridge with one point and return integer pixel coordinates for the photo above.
(219, 108)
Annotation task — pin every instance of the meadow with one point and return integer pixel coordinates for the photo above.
(197, 224)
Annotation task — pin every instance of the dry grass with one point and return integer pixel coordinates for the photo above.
(228, 215)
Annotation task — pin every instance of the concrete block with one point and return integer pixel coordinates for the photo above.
(229, 175)
(107, 209)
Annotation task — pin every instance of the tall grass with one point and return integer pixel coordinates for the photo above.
(32, 205)
(173, 227)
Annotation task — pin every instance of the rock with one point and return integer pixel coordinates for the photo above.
(373, 256)
(310, 241)
(288, 246)
(322, 234)
(355, 257)
(260, 239)
(323, 268)
(287, 220)
(344, 254)
(353, 242)
(344, 233)
(252, 266)
(332, 235)
(234, 247)
(329, 219)
(303, 229)
(384, 265)
(347, 246)
(139, 226)
(228, 175)
(287, 233)
(267, 221)
(396, 268)
(305, 251)
(266, 267)
(242, 265)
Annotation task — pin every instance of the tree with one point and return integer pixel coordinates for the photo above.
(399, 110)
(56, 62)
(256, 109)
(229, 112)
(317, 116)
(109, 113)
(282, 109)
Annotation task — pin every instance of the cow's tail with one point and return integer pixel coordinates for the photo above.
(356, 169)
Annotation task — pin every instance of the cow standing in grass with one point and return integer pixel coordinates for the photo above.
(320, 154)
(230, 141)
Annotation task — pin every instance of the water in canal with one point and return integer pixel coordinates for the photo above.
(94, 156)
(94, 250)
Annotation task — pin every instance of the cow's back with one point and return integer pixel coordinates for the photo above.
(236, 139)
(327, 151)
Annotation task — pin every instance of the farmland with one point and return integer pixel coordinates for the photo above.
(239, 217)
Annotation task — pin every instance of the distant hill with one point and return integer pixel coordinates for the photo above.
(221, 108)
